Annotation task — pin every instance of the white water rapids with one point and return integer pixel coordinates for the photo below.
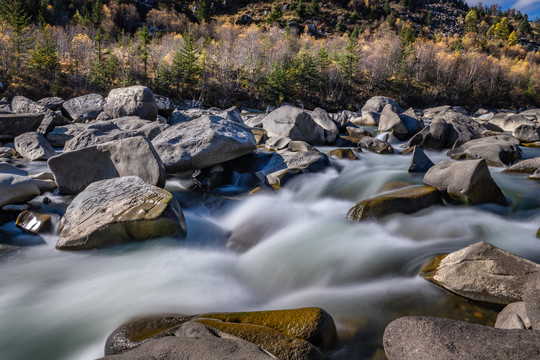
(63, 305)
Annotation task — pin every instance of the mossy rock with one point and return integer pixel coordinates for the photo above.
(275, 342)
(406, 200)
(344, 154)
(294, 334)
(311, 324)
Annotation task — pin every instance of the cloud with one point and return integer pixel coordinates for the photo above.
(524, 4)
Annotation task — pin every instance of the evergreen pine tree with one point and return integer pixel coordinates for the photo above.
(314, 7)
(204, 10)
(144, 40)
(44, 58)
(15, 15)
(96, 15)
(186, 67)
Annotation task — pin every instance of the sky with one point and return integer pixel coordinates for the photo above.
(530, 7)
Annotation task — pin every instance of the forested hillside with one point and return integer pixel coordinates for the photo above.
(333, 54)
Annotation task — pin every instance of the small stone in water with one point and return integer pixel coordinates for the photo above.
(46, 200)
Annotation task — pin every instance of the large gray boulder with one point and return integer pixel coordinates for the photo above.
(422, 337)
(34, 146)
(390, 121)
(293, 122)
(15, 189)
(447, 131)
(283, 165)
(323, 119)
(527, 133)
(509, 122)
(132, 101)
(177, 117)
(232, 114)
(405, 201)
(12, 125)
(531, 299)
(75, 170)
(203, 142)
(481, 272)
(23, 105)
(117, 211)
(497, 150)
(377, 103)
(84, 108)
(466, 181)
(106, 131)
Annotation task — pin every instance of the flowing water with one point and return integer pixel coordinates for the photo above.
(300, 251)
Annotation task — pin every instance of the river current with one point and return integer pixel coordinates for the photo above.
(299, 251)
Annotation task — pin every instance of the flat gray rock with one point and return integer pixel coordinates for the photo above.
(75, 170)
(203, 142)
(16, 189)
(481, 272)
(84, 108)
(423, 338)
(527, 166)
(51, 103)
(131, 101)
(509, 122)
(293, 122)
(467, 181)
(62, 134)
(12, 125)
(23, 105)
(499, 150)
(117, 211)
(34, 146)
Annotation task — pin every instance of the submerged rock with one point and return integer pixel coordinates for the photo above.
(466, 181)
(117, 211)
(406, 200)
(75, 170)
(423, 337)
(481, 272)
(349, 154)
(34, 222)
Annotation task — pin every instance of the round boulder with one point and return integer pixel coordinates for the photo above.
(131, 101)
(120, 210)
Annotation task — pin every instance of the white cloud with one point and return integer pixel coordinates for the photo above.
(525, 4)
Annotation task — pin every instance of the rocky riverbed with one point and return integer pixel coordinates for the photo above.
(117, 209)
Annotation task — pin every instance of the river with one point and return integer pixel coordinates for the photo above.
(62, 305)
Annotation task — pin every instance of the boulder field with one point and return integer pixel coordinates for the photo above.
(110, 158)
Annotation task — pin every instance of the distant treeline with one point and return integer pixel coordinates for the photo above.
(95, 47)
